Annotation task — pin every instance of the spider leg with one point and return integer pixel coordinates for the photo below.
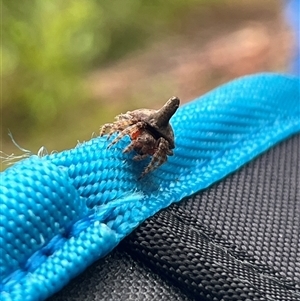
(140, 157)
(158, 158)
(129, 148)
(117, 126)
(127, 131)
(170, 152)
(104, 128)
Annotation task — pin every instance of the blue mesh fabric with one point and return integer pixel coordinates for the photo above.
(61, 212)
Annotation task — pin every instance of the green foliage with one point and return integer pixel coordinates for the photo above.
(49, 45)
(46, 46)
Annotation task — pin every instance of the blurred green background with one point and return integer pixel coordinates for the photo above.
(70, 66)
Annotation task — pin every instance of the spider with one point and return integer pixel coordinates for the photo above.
(150, 132)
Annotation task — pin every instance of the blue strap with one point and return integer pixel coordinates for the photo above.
(61, 212)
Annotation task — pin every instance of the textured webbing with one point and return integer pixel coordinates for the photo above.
(238, 240)
(61, 212)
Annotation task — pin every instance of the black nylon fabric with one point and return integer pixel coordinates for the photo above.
(119, 277)
(237, 240)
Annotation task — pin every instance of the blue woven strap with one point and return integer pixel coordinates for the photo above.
(61, 212)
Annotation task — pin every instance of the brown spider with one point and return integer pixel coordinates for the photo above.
(150, 132)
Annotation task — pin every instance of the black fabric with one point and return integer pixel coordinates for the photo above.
(237, 240)
(119, 277)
